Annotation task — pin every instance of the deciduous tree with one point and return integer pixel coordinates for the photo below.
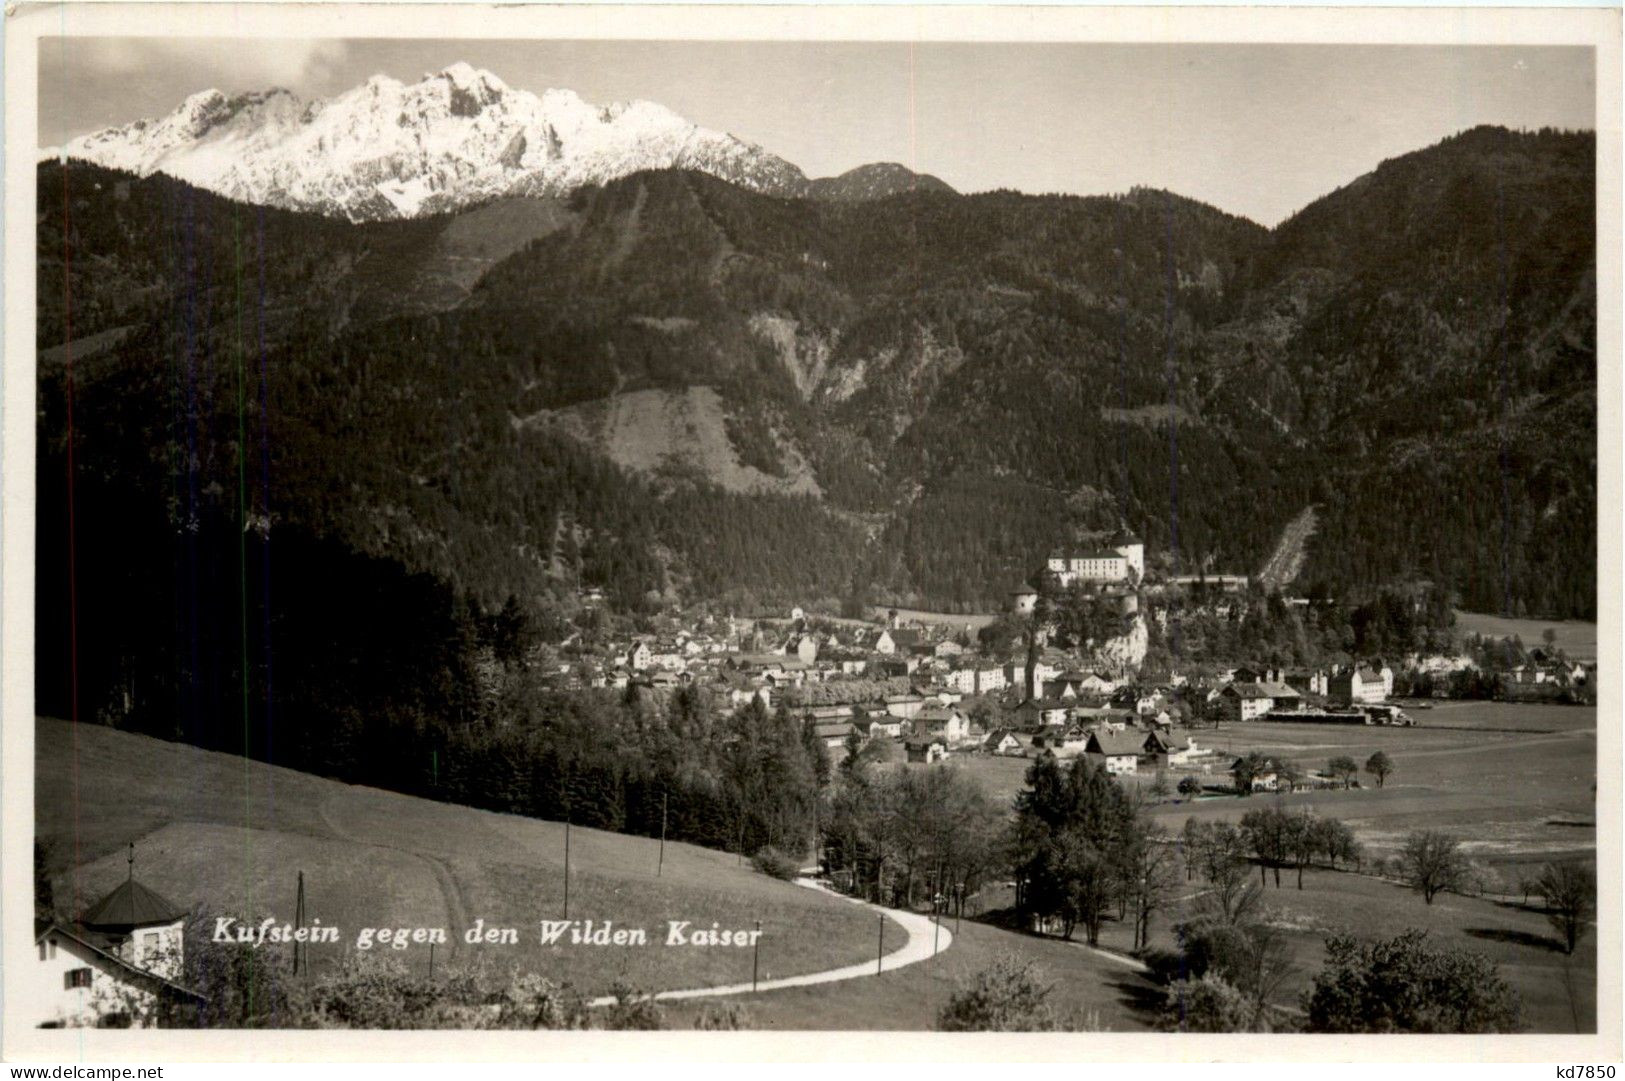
(1431, 861)
(1570, 891)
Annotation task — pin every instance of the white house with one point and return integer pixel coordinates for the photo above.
(905, 706)
(948, 725)
(1119, 752)
(989, 678)
(115, 967)
(1002, 742)
(1245, 701)
(1361, 684)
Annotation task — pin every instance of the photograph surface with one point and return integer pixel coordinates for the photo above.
(554, 532)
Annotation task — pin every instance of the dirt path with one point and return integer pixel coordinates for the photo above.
(925, 940)
(451, 894)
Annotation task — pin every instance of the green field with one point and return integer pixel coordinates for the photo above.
(1518, 939)
(1514, 781)
(1577, 639)
(1108, 994)
(230, 835)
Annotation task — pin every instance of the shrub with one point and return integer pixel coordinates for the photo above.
(1405, 985)
(770, 861)
(1008, 996)
(632, 1010)
(722, 1017)
(1206, 1004)
(531, 1001)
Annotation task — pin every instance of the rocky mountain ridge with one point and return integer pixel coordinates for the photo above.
(455, 138)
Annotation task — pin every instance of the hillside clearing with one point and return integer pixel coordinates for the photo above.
(230, 835)
(1576, 638)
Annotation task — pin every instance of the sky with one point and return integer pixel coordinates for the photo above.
(1257, 130)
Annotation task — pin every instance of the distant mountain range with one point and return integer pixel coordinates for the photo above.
(677, 387)
(454, 138)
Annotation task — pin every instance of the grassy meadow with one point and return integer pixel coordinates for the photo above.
(1577, 639)
(1109, 994)
(229, 836)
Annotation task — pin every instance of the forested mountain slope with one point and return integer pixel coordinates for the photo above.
(925, 392)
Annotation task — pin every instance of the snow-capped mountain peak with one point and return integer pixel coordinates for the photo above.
(388, 149)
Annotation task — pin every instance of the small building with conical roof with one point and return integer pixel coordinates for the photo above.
(115, 966)
(140, 926)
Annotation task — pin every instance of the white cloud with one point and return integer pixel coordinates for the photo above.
(224, 63)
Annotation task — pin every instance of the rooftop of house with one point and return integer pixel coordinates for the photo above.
(130, 905)
(1116, 744)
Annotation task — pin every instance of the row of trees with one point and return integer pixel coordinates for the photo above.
(1082, 847)
(1256, 765)
(907, 837)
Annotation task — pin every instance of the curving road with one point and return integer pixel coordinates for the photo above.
(925, 940)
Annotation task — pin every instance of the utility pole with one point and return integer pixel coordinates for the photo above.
(298, 923)
(431, 962)
(880, 950)
(660, 867)
(936, 921)
(566, 866)
(756, 956)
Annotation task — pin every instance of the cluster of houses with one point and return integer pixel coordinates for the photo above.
(774, 655)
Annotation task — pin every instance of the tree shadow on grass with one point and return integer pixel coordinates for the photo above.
(1516, 938)
(1139, 996)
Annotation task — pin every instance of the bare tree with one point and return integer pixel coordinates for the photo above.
(1570, 891)
(1147, 876)
(1431, 861)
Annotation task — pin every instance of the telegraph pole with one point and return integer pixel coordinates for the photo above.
(566, 866)
(298, 923)
(660, 867)
(880, 950)
(756, 957)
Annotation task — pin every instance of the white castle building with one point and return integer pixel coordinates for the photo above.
(1124, 562)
